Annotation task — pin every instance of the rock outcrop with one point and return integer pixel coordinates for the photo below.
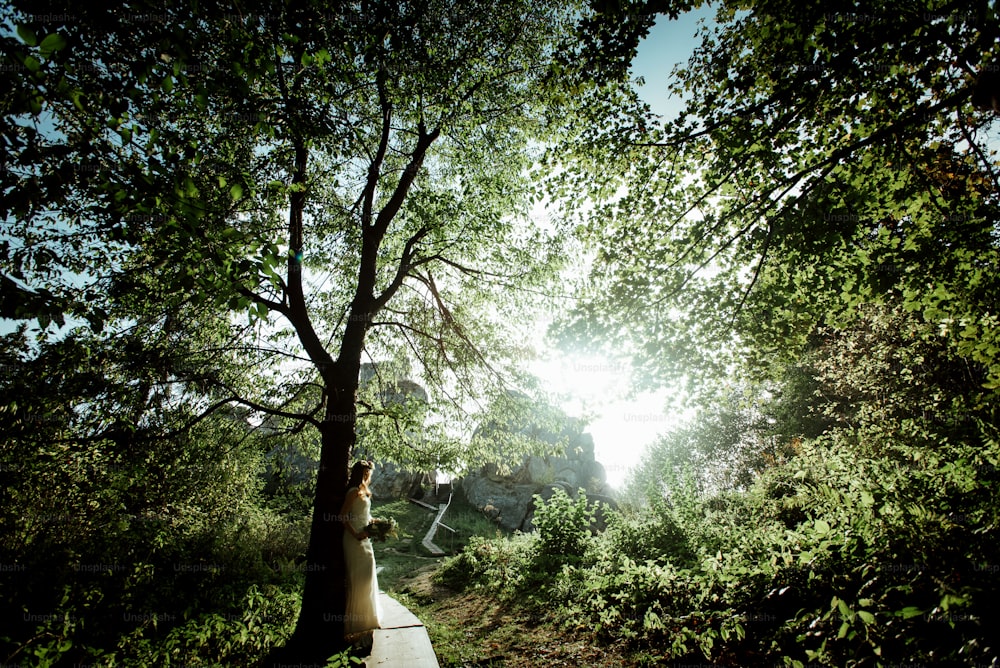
(509, 498)
(392, 482)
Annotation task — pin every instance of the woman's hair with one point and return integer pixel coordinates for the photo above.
(357, 477)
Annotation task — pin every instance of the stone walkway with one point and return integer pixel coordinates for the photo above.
(402, 642)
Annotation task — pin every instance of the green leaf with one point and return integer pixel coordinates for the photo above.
(96, 322)
(27, 35)
(845, 610)
(77, 97)
(52, 43)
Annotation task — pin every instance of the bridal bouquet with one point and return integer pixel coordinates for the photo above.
(379, 529)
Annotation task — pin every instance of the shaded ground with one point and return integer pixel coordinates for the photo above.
(472, 629)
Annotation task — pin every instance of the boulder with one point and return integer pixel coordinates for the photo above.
(504, 501)
(391, 482)
(492, 471)
(509, 499)
(594, 476)
(568, 476)
(537, 469)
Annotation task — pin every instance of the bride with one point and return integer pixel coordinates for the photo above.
(363, 610)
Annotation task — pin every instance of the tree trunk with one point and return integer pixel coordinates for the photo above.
(319, 631)
(320, 628)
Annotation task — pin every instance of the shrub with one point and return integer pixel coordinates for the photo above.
(500, 565)
(647, 536)
(866, 548)
(264, 619)
(563, 526)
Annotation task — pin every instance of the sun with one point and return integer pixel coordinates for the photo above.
(596, 387)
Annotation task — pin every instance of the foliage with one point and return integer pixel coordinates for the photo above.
(870, 542)
(501, 565)
(193, 148)
(846, 553)
(721, 447)
(645, 537)
(563, 525)
(825, 159)
(351, 182)
(192, 596)
(818, 231)
(514, 565)
(264, 619)
(134, 525)
(889, 365)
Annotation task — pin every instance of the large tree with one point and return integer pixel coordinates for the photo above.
(354, 177)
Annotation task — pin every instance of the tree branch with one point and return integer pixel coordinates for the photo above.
(375, 168)
(405, 266)
(270, 304)
(392, 207)
(306, 417)
(411, 328)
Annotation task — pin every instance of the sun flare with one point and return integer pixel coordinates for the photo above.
(596, 388)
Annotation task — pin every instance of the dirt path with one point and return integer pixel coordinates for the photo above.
(474, 629)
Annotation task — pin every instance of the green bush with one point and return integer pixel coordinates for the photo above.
(244, 636)
(500, 565)
(861, 550)
(646, 536)
(525, 562)
(563, 525)
(144, 553)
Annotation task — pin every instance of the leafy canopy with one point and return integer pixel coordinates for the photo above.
(825, 159)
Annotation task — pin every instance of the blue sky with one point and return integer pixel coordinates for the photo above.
(668, 44)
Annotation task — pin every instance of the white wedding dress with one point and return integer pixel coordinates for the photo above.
(363, 610)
